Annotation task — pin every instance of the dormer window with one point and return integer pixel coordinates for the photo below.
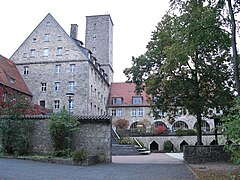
(46, 37)
(47, 24)
(137, 100)
(117, 100)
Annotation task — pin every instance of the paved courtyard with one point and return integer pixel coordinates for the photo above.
(150, 167)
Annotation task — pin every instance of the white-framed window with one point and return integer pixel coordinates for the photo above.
(134, 112)
(45, 52)
(117, 100)
(48, 24)
(72, 85)
(43, 87)
(57, 68)
(25, 70)
(42, 103)
(119, 112)
(59, 51)
(66, 52)
(25, 55)
(32, 52)
(72, 68)
(57, 86)
(56, 104)
(46, 37)
(137, 100)
(140, 112)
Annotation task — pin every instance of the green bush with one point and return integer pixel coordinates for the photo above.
(60, 127)
(80, 154)
(186, 132)
(167, 146)
(126, 140)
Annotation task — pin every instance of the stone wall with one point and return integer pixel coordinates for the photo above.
(177, 140)
(202, 154)
(94, 134)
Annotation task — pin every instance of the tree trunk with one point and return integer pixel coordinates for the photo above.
(234, 47)
(199, 128)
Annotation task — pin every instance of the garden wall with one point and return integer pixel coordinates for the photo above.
(94, 134)
(202, 154)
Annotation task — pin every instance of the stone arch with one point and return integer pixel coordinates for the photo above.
(154, 146)
(137, 127)
(159, 127)
(179, 125)
(182, 144)
(205, 126)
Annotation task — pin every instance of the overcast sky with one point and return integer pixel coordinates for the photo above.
(134, 20)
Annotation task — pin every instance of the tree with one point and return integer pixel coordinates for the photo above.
(187, 62)
(14, 128)
(231, 129)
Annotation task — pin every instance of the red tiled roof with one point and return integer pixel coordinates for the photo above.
(10, 76)
(126, 91)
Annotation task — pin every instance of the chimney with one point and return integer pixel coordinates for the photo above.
(74, 31)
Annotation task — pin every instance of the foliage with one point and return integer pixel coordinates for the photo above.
(161, 129)
(126, 140)
(167, 146)
(231, 129)
(187, 62)
(80, 154)
(15, 129)
(121, 124)
(185, 132)
(60, 127)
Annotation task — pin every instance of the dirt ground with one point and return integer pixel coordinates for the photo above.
(215, 171)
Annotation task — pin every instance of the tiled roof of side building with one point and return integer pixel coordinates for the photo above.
(127, 92)
(10, 76)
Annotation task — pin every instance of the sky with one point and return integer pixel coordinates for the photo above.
(134, 21)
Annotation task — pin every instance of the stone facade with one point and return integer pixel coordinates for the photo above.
(52, 63)
(99, 39)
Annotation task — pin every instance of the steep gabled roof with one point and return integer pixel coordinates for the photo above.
(127, 92)
(10, 76)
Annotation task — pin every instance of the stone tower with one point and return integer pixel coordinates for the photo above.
(99, 39)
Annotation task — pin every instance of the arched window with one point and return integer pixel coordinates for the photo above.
(179, 125)
(137, 127)
(159, 127)
(205, 126)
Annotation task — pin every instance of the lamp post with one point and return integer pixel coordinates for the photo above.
(69, 95)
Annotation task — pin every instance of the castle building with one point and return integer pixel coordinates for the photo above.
(53, 64)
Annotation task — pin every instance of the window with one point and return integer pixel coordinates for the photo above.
(25, 70)
(58, 68)
(45, 52)
(72, 68)
(71, 104)
(57, 86)
(94, 49)
(137, 100)
(59, 38)
(32, 53)
(42, 103)
(134, 112)
(56, 104)
(44, 87)
(113, 112)
(179, 125)
(205, 126)
(94, 38)
(34, 40)
(59, 51)
(117, 100)
(67, 52)
(47, 24)
(25, 55)
(46, 37)
(72, 85)
(119, 112)
(140, 112)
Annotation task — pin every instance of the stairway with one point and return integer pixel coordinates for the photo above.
(123, 150)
